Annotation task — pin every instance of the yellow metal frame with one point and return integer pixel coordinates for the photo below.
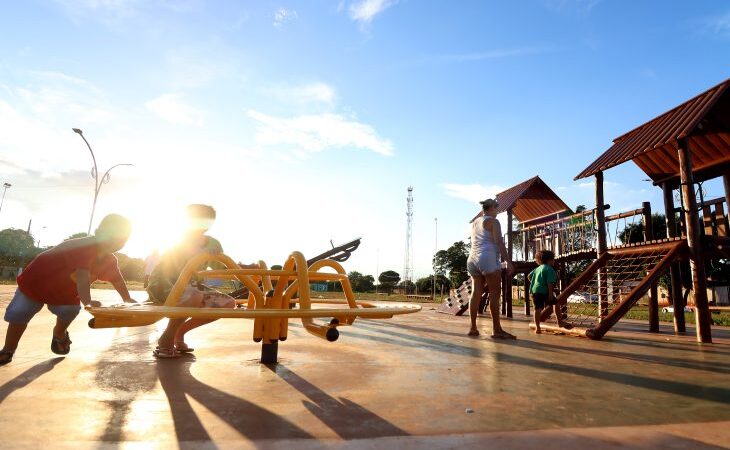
(271, 308)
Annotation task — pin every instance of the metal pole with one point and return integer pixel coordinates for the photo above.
(5, 189)
(435, 250)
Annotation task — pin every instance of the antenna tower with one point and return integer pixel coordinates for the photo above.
(408, 263)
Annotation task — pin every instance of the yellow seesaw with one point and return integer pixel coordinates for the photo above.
(271, 308)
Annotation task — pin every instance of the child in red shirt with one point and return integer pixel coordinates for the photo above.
(61, 278)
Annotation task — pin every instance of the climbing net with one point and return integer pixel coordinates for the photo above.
(609, 286)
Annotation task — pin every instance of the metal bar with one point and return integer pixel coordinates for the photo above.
(270, 353)
(624, 215)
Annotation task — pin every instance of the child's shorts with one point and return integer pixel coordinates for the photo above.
(540, 300)
(22, 308)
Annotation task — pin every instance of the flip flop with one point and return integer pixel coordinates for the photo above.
(9, 356)
(165, 353)
(182, 347)
(503, 335)
(61, 346)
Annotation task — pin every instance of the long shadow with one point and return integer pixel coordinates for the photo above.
(409, 340)
(249, 419)
(693, 347)
(346, 418)
(708, 366)
(412, 328)
(700, 392)
(27, 377)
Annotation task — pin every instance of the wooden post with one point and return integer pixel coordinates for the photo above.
(601, 225)
(509, 278)
(526, 243)
(726, 183)
(676, 281)
(696, 261)
(653, 294)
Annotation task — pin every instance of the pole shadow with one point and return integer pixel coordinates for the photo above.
(345, 417)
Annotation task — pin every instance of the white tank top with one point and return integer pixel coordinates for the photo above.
(481, 239)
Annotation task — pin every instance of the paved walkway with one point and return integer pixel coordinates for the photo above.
(415, 381)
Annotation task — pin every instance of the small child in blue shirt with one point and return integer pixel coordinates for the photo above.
(542, 284)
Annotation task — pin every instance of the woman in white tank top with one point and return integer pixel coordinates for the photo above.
(485, 268)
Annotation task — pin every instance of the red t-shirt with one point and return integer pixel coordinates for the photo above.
(51, 277)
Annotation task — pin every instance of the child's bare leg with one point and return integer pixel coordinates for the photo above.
(537, 317)
(167, 338)
(494, 281)
(547, 311)
(210, 301)
(188, 326)
(13, 335)
(477, 288)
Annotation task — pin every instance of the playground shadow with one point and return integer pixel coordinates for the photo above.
(696, 391)
(346, 418)
(386, 324)
(27, 377)
(706, 366)
(693, 347)
(413, 341)
(248, 419)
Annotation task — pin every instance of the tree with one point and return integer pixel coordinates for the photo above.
(360, 282)
(425, 284)
(17, 247)
(452, 261)
(407, 286)
(132, 268)
(77, 235)
(634, 232)
(388, 280)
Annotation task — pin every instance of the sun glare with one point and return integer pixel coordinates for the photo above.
(154, 228)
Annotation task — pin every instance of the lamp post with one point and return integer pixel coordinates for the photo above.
(5, 188)
(435, 250)
(95, 174)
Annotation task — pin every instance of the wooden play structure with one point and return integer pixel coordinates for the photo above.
(274, 297)
(678, 150)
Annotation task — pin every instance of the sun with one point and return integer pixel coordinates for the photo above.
(154, 228)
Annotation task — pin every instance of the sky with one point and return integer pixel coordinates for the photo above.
(304, 122)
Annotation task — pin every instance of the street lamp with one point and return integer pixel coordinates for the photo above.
(435, 250)
(5, 188)
(95, 174)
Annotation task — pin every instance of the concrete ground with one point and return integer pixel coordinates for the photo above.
(415, 381)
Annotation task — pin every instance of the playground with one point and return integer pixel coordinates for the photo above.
(414, 381)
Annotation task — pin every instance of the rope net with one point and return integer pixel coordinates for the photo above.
(609, 286)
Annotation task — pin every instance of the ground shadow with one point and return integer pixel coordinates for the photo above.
(346, 418)
(27, 377)
(250, 420)
(696, 391)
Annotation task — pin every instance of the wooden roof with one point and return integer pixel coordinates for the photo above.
(532, 199)
(703, 120)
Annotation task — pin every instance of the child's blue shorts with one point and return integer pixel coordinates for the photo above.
(22, 308)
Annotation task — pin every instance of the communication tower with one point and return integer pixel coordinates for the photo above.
(408, 263)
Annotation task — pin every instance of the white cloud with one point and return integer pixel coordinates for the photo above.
(474, 192)
(307, 93)
(172, 108)
(719, 25)
(283, 15)
(315, 133)
(365, 10)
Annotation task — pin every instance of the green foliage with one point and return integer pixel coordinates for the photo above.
(360, 282)
(407, 287)
(388, 280)
(425, 284)
(452, 261)
(132, 268)
(634, 232)
(17, 247)
(77, 235)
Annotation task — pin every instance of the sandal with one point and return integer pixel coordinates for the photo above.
(503, 335)
(182, 347)
(473, 333)
(61, 346)
(165, 353)
(7, 356)
(565, 325)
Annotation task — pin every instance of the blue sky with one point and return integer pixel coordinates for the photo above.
(305, 122)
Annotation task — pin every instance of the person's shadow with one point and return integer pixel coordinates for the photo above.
(28, 377)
